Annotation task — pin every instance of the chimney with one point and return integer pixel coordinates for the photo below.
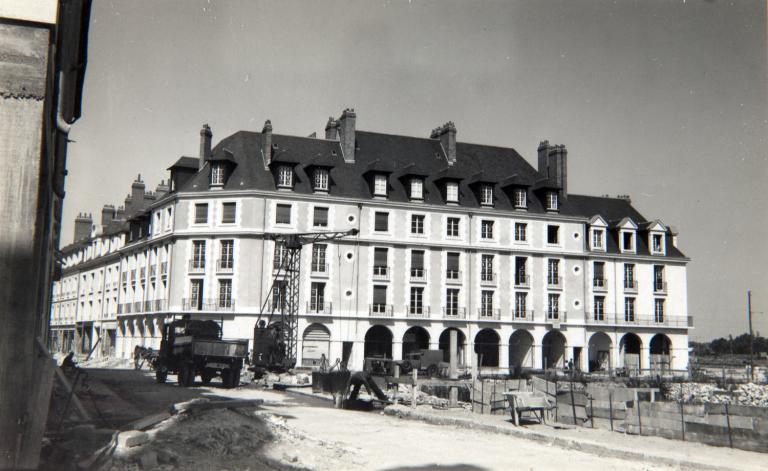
(266, 143)
(558, 163)
(107, 214)
(205, 145)
(128, 202)
(447, 135)
(149, 198)
(137, 195)
(347, 134)
(332, 129)
(83, 223)
(162, 189)
(120, 213)
(543, 159)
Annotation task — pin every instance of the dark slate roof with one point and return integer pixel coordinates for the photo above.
(186, 162)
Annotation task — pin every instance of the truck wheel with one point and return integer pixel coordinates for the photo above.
(186, 375)
(226, 378)
(432, 371)
(207, 376)
(405, 367)
(161, 376)
(235, 381)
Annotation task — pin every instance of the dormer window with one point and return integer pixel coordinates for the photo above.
(521, 200)
(598, 239)
(417, 189)
(380, 185)
(217, 174)
(551, 201)
(627, 241)
(452, 192)
(657, 244)
(284, 176)
(321, 179)
(486, 194)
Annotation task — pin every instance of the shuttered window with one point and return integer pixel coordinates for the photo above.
(453, 261)
(379, 295)
(201, 213)
(380, 257)
(228, 213)
(283, 214)
(417, 259)
(381, 222)
(320, 217)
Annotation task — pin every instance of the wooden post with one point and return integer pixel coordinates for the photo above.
(728, 422)
(573, 402)
(639, 419)
(591, 413)
(453, 372)
(610, 407)
(482, 396)
(413, 387)
(682, 419)
(396, 374)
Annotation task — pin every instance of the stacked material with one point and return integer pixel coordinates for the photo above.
(749, 394)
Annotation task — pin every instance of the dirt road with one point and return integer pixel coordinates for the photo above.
(294, 432)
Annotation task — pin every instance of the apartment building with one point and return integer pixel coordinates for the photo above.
(452, 236)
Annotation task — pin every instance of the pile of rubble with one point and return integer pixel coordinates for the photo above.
(404, 394)
(749, 394)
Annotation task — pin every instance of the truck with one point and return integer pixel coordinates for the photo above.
(429, 362)
(195, 347)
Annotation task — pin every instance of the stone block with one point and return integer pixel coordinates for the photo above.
(132, 438)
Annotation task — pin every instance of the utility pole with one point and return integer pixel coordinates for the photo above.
(751, 337)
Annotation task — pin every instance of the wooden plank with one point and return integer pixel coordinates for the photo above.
(147, 422)
(195, 406)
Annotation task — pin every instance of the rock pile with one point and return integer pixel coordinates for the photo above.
(749, 394)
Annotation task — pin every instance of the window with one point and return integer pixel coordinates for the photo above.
(486, 268)
(320, 217)
(452, 302)
(521, 231)
(521, 305)
(379, 299)
(452, 227)
(284, 176)
(321, 179)
(598, 280)
(317, 297)
(627, 242)
(283, 214)
(553, 307)
(597, 239)
(417, 189)
(196, 295)
(658, 279)
(168, 214)
(156, 225)
(486, 194)
(198, 254)
(280, 254)
(380, 185)
(452, 266)
(227, 254)
(521, 200)
(553, 272)
(521, 275)
(279, 296)
(486, 303)
(228, 211)
(380, 256)
(225, 293)
(417, 301)
(658, 312)
(629, 276)
(201, 213)
(381, 222)
(656, 244)
(452, 192)
(217, 174)
(599, 308)
(629, 309)
(486, 229)
(553, 234)
(417, 224)
(318, 258)
(551, 201)
(417, 264)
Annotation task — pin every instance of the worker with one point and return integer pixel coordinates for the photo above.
(68, 363)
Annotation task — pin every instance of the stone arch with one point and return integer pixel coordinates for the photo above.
(599, 355)
(315, 344)
(661, 353)
(415, 339)
(630, 348)
(553, 350)
(487, 347)
(444, 344)
(520, 350)
(378, 342)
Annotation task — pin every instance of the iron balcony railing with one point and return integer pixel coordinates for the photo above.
(599, 284)
(660, 287)
(197, 266)
(148, 305)
(522, 315)
(380, 310)
(380, 273)
(416, 311)
(522, 281)
(455, 312)
(159, 305)
(488, 278)
(137, 306)
(556, 315)
(636, 320)
(630, 286)
(319, 269)
(419, 275)
(489, 313)
(225, 265)
(453, 276)
(319, 307)
(555, 282)
(208, 304)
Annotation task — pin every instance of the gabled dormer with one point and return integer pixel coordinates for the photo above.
(377, 177)
(627, 231)
(413, 180)
(598, 230)
(222, 164)
(516, 190)
(657, 233)
(448, 180)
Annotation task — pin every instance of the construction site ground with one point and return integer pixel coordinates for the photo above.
(299, 430)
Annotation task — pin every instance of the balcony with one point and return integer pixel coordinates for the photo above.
(124, 308)
(522, 281)
(555, 282)
(380, 310)
(453, 277)
(556, 316)
(159, 305)
(137, 305)
(417, 312)
(660, 287)
(599, 318)
(522, 316)
(599, 284)
(148, 306)
(225, 265)
(630, 286)
(197, 266)
(488, 314)
(636, 320)
(208, 305)
(418, 275)
(488, 278)
(319, 269)
(455, 312)
(319, 307)
(380, 273)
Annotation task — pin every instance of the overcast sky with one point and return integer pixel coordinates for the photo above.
(662, 100)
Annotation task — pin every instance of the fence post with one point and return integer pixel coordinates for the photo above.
(573, 401)
(413, 387)
(482, 396)
(610, 406)
(728, 422)
(591, 413)
(639, 420)
(682, 419)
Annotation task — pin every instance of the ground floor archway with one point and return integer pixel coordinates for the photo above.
(661, 348)
(599, 355)
(553, 350)
(487, 347)
(414, 339)
(315, 345)
(630, 347)
(378, 342)
(520, 350)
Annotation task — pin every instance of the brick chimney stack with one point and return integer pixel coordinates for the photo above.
(266, 143)
(83, 225)
(205, 145)
(137, 195)
(120, 213)
(553, 165)
(347, 134)
(332, 129)
(162, 189)
(447, 135)
(107, 214)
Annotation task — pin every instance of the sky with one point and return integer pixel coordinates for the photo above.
(665, 101)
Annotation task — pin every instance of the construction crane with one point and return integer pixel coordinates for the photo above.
(275, 342)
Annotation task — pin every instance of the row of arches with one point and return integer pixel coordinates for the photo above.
(379, 340)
